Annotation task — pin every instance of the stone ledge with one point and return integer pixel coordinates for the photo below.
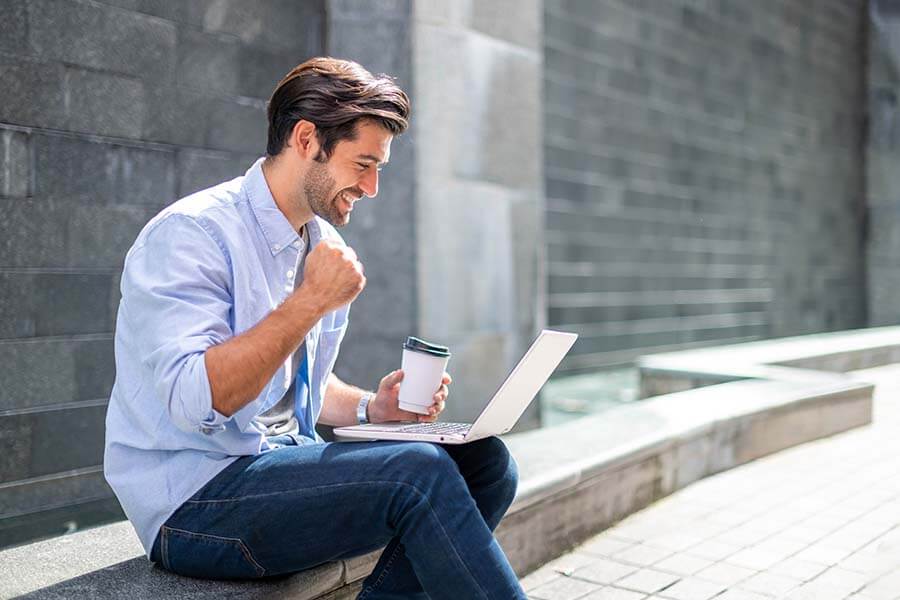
(618, 462)
(576, 479)
(804, 358)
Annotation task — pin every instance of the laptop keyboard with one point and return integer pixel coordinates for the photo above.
(436, 428)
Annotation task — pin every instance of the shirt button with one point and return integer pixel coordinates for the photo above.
(290, 273)
(289, 288)
(276, 247)
(297, 244)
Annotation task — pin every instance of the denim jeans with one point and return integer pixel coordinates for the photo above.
(433, 506)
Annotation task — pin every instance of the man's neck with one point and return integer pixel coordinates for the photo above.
(285, 191)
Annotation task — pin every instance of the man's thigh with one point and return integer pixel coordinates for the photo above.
(295, 507)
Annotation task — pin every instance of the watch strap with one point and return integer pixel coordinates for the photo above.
(361, 409)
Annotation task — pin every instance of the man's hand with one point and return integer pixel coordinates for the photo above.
(332, 277)
(385, 405)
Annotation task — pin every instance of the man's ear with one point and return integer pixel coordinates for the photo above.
(304, 140)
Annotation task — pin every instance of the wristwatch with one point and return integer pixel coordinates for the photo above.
(361, 408)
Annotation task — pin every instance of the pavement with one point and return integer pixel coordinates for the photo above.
(817, 522)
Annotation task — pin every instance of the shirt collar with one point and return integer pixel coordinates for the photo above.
(275, 227)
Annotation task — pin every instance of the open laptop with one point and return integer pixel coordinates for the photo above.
(501, 413)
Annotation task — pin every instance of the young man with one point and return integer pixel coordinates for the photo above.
(234, 303)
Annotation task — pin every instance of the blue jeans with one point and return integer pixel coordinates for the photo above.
(433, 506)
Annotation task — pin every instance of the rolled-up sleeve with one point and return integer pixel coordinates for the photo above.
(177, 294)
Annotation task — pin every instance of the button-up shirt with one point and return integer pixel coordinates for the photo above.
(207, 268)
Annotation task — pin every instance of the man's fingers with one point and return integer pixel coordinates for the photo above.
(392, 379)
(405, 415)
(447, 380)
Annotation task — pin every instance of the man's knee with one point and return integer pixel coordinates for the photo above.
(423, 458)
(505, 469)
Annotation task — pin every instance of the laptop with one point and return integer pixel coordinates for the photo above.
(500, 414)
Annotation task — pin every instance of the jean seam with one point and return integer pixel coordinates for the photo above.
(447, 537)
(240, 544)
(361, 483)
(310, 488)
(384, 571)
(164, 548)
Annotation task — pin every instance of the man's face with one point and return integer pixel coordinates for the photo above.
(333, 187)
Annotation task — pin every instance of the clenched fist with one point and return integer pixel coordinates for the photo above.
(333, 275)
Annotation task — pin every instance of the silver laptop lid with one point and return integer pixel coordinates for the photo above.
(522, 384)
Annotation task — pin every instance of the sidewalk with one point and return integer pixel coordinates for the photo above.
(816, 522)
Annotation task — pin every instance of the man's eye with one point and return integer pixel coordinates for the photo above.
(362, 167)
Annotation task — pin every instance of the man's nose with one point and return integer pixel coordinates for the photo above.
(368, 183)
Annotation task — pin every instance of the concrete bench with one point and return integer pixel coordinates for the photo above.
(576, 479)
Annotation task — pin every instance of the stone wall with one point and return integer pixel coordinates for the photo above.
(882, 160)
(108, 112)
(479, 202)
(704, 174)
(701, 162)
(382, 231)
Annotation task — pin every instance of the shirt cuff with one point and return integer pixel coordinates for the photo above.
(214, 422)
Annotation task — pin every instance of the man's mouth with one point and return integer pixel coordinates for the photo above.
(348, 201)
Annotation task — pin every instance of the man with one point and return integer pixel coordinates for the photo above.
(234, 303)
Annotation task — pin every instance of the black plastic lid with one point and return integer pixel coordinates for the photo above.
(414, 343)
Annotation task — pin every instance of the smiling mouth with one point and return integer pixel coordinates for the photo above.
(348, 201)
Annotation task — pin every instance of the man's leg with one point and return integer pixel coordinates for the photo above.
(491, 476)
(300, 506)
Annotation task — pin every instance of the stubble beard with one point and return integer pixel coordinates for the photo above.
(317, 186)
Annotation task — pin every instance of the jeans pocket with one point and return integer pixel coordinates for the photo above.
(208, 556)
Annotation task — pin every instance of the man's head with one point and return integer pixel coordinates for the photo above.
(334, 121)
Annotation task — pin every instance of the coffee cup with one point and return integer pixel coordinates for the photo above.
(423, 366)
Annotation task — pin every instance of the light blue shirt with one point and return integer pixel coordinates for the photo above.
(207, 268)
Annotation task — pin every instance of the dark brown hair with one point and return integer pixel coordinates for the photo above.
(333, 95)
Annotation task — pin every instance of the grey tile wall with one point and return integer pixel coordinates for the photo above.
(383, 230)
(108, 112)
(883, 176)
(704, 175)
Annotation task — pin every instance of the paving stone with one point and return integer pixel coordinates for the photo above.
(883, 588)
(714, 550)
(798, 568)
(803, 534)
(677, 541)
(769, 583)
(816, 591)
(604, 571)
(538, 578)
(614, 593)
(642, 554)
(860, 538)
(693, 589)
(567, 564)
(869, 560)
(824, 554)
(683, 564)
(647, 580)
(766, 553)
(726, 573)
(841, 580)
(605, 545)
(563, 588)
(738, 594)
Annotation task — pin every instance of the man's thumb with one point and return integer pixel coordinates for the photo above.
(392, 378)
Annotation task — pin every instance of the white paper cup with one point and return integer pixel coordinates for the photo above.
(423, 368)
